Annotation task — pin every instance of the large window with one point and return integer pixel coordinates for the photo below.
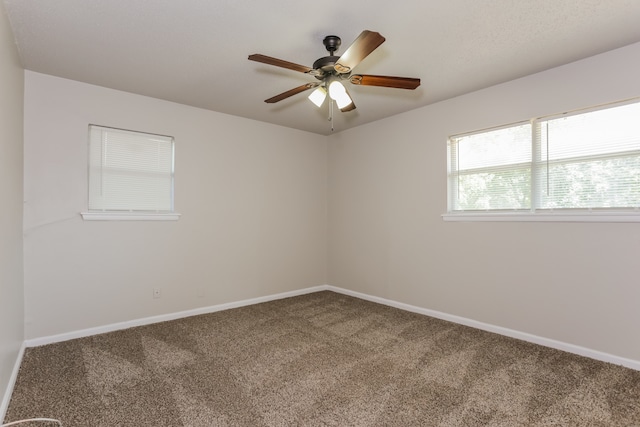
(581, 162)
(130, 172)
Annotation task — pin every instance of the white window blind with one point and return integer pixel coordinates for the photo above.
(491, 170)
(590, 160)
(130, 171)
(584, 160)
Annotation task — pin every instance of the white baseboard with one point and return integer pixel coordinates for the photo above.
(4, 405)
(35, 342)
(547, 342)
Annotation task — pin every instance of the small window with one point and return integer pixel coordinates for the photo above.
(130, 172)
(582, 161)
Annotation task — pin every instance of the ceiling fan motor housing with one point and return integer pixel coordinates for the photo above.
(325, 65)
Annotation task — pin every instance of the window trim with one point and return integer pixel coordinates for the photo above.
(519, 216)
(129, 216)
(537, 214)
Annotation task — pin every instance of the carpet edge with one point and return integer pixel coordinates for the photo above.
(511, 333)
(36, 342)
(4, 405)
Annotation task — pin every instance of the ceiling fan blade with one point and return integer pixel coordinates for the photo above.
(279, 63)
(366, 43)
(294, 91)
(385, 81)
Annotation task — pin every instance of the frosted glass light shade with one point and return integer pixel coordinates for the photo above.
(338, 93)
(318, 96)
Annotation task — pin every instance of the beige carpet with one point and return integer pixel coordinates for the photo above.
(322, 359)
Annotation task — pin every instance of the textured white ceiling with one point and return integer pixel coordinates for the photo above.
(195, 51)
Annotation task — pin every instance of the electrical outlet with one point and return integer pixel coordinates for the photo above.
(156, 292)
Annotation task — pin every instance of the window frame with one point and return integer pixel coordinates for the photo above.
(534, 213)
(131, 214)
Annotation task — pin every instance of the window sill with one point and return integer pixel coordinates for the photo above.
(129, 216)
(543, 217)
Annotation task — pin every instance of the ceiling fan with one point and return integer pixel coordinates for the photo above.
(332, 70)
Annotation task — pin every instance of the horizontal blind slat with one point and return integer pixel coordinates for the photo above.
(130, 171)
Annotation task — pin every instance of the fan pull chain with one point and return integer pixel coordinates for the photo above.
(331, 113)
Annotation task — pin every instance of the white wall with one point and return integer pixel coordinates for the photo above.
(11, 286)
(252, 198)
(254, 203)
(573, 282)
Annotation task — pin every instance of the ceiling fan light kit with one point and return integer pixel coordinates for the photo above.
(330, 70)
(318, 96)
(338, 93)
